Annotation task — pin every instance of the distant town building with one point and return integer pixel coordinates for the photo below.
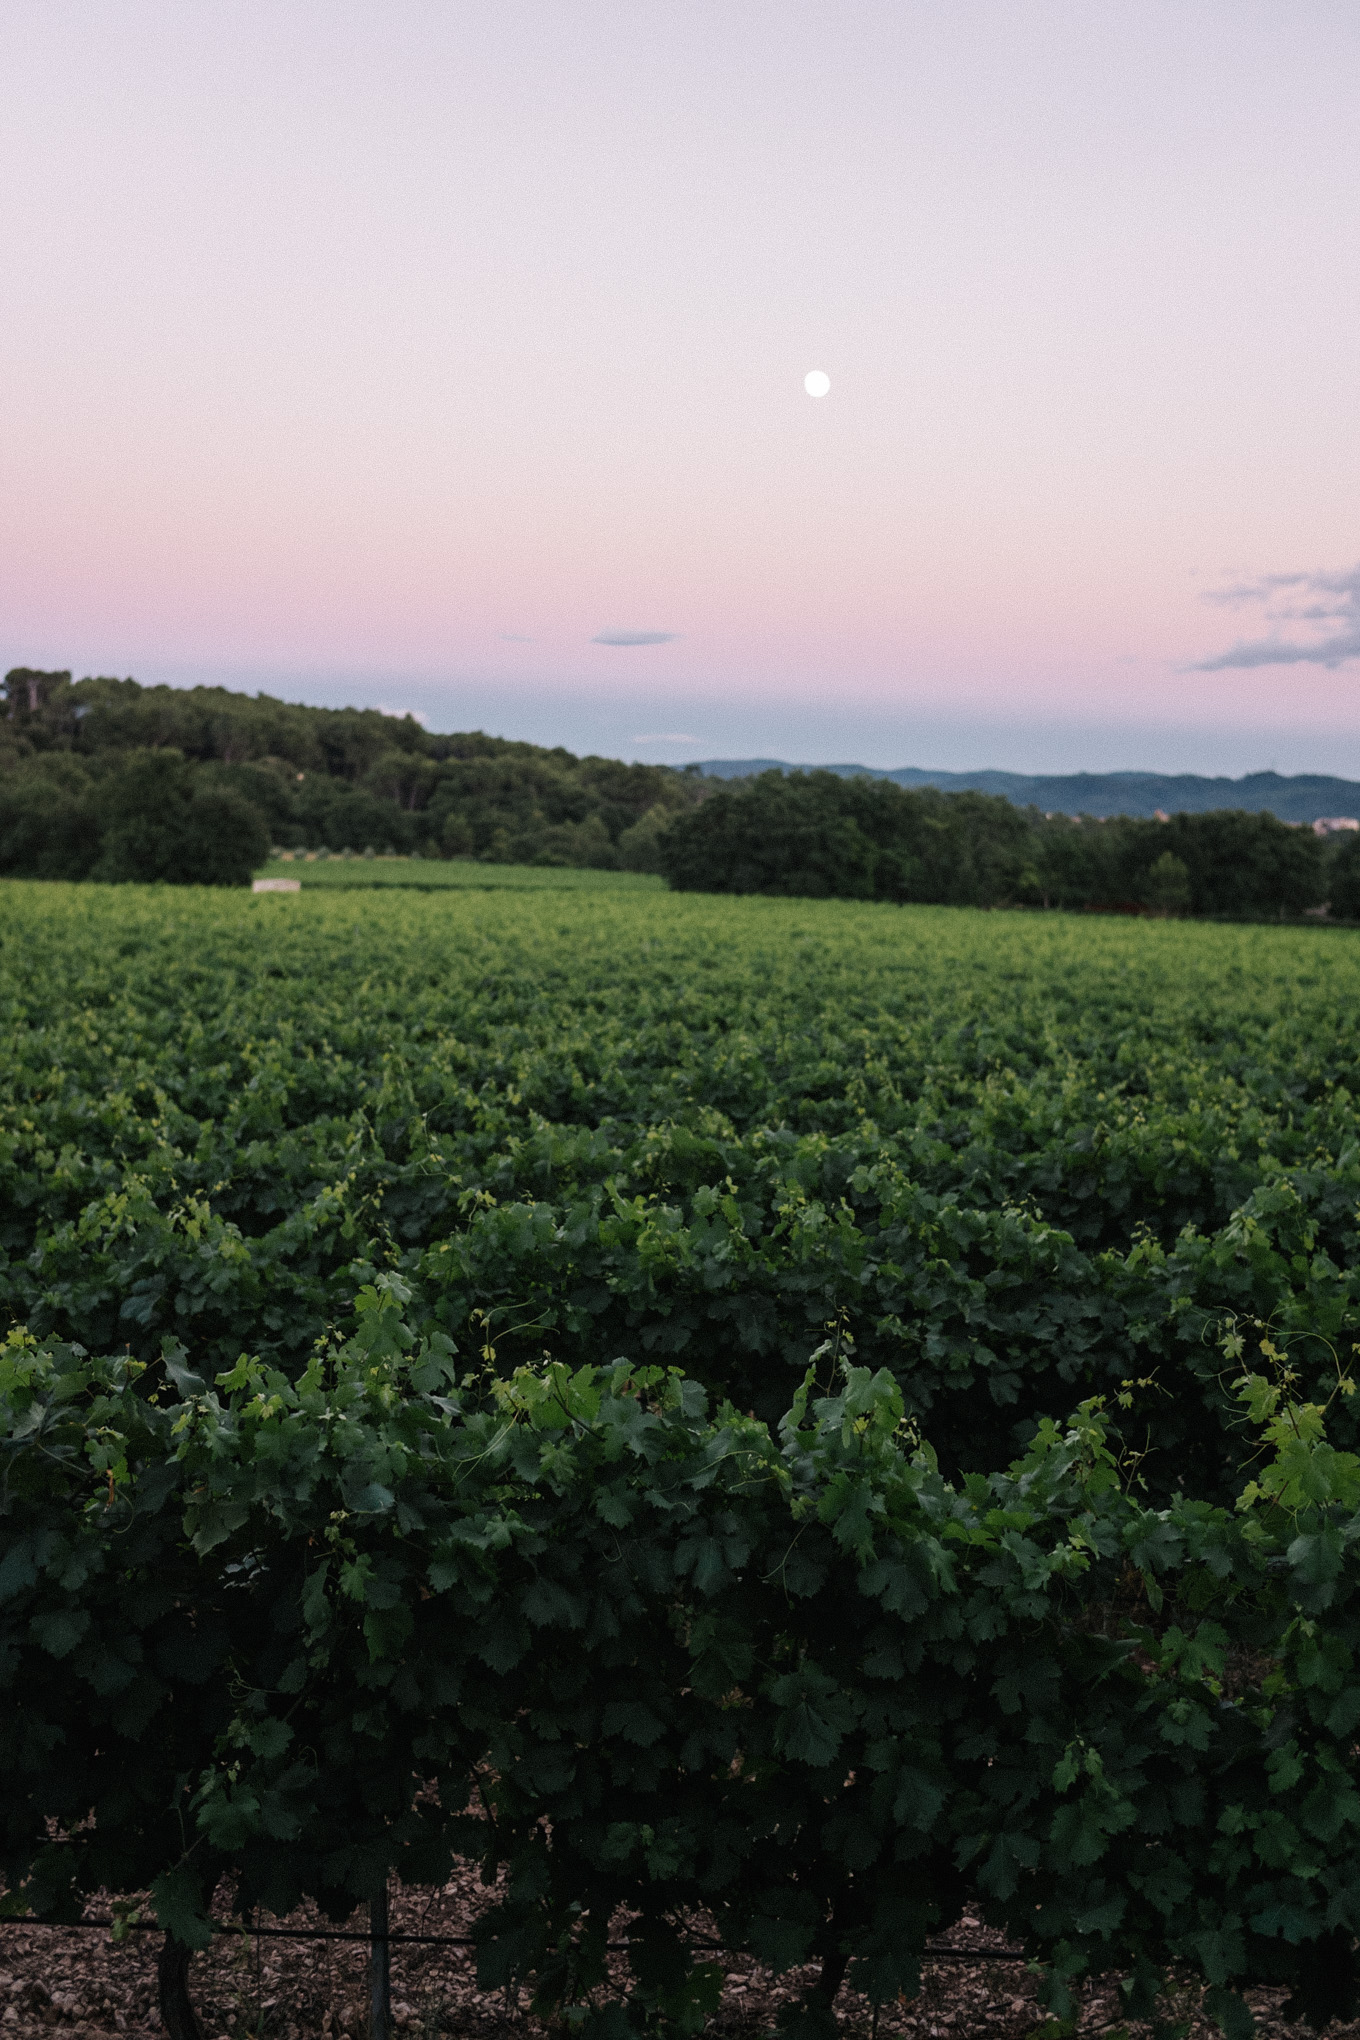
(1334, 825)
(1160, 815)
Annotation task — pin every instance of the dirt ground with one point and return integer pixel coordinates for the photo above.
(247, 1988)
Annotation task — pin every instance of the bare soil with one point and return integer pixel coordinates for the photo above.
(80, 1985)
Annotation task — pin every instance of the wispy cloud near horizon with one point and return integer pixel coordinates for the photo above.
(635, 637)
(1329, 602)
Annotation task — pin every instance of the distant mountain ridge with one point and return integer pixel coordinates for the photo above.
(1305, 797)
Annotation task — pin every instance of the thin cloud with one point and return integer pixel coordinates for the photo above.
(635, 637)
(513, 637)
(671, 737)
(1328, 602)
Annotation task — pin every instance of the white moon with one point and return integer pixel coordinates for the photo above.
(816, 383)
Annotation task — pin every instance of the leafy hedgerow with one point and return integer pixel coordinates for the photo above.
(644, 1654)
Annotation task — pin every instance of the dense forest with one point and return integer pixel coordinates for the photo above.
(818, 834)
(107, 779)
(110, 780)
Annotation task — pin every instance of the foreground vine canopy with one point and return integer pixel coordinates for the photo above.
(772, 1422)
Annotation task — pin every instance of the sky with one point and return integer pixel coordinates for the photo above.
(450, 358)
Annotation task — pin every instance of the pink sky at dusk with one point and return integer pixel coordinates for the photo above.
(396, 354)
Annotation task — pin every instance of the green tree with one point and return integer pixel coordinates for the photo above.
(456, 838)
(779, 833)
(640, 844)
(41, 708)
(1343, 880)
(820, 834)
(47, 829)
(157, 824)
(1244, 864)
(1166, 889)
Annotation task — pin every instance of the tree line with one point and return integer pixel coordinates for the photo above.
(815, 834)
(106, 779)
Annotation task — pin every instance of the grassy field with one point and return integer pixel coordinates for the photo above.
(426, 874)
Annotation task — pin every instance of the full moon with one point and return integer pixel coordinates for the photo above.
(816, 383)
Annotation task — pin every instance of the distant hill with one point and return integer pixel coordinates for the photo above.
(1307, 797)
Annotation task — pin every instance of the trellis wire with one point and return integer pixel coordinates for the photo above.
(423, 1940)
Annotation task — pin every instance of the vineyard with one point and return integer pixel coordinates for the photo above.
(767, 1426)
